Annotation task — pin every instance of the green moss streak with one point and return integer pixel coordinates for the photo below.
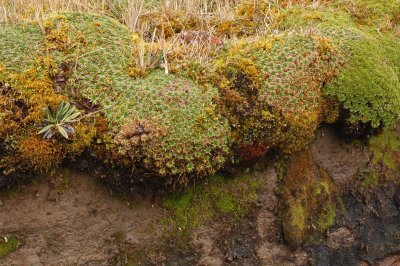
(8, 247)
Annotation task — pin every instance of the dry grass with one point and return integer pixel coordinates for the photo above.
(140, 16)
(127, 11)
(13, 10)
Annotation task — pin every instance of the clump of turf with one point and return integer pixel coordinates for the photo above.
(368, 81)
(271, 90)
(368, 87)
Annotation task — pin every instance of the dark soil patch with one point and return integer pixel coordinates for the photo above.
(372, 220)
(239, 241)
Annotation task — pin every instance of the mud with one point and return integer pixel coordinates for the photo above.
(367, 227)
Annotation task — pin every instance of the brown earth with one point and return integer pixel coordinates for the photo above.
(75, 226)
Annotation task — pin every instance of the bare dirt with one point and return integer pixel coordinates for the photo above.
(341, 159)
(74, 226)
(367, 227)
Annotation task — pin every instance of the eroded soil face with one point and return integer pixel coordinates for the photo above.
(79, 222)
(74, 226)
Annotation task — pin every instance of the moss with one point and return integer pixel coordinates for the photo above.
(168, 124)
(40, 154)
(26, 89)
(21, 46)
(297, 220)
(380, 13)
(370, 180)
(368, 58)
(373, 61)
(267, 92)
(174, 116)
(271, 90)
(9, 247)
(309, 197)
(327, 218)
(218, 197)
(385, 148)
(189, 210)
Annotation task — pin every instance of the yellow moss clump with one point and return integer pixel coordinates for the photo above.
(39, 154)
(36, 91)
(80, 140)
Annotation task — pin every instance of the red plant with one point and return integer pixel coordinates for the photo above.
(249, 152)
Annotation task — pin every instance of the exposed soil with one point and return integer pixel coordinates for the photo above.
(74, 226)
(341, 159)
(367, 226)
(78, 221)
(367, 229)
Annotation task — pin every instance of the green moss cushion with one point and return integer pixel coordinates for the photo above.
(273, 87)
(369, 85)
(21, 45)
(167, 123)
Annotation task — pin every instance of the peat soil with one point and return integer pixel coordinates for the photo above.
(79, 221)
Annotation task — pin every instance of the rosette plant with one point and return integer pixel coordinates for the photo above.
(60, 121)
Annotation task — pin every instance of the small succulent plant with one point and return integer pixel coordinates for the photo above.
(61, 121)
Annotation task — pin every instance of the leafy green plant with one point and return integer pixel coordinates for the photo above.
(61, 121)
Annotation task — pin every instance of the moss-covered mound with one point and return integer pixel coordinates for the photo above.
(26, 88)
(277, 90)
(269, 89)
(272, 89)
(368, 84)
(167, 124)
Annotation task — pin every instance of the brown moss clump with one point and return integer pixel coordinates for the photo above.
(308, 195)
